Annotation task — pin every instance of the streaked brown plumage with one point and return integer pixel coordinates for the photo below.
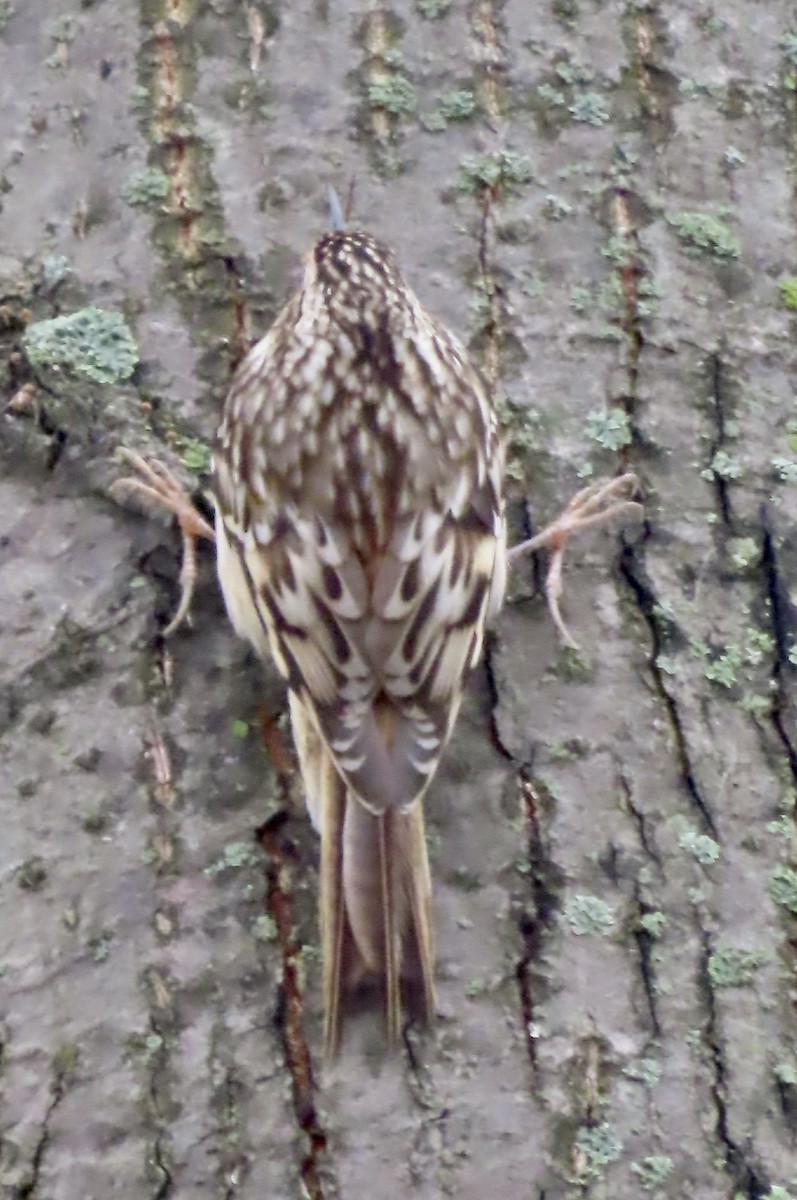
(360, 540)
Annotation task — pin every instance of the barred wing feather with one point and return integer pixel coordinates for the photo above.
(376, 653)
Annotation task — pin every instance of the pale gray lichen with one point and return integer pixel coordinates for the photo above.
(395, 94)
(783, 888)
(653, 1170)
(647, 1071)
(704, 848)
(91, 341)
(501, 171)
(234, 856)
(589, 915)
(705, 233)
(146, 187)
(730, 966)
(595, 1147)
(610, 428)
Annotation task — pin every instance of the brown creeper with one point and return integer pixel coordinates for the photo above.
(361, 540)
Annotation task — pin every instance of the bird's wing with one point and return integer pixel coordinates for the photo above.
(377, 655)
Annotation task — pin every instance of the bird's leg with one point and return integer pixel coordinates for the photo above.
(593, 505)
(157, 486)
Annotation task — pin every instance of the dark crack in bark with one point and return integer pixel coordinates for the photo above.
(643, 939)
(719, 402)
(783, 619)
(539, 919)
(166, 1184)
(644, 943)
(632, 570)
(63, 1069)
(315, 1169)
(745, 1176)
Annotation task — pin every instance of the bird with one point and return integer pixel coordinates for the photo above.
(360, 531)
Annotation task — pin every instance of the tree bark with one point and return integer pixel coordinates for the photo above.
(600, 197)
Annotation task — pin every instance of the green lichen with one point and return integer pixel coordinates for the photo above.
(610, 428)
(556, 207)
(581, 298)
(735, 659)
(91, 342)
(704, 233)
(723, 670)
(744, 551)
(589, 915)
(100, 946)
(395, 94)
(785, 469)
(647, 1071)
(653, 923)
(458, 105)
(240, 729)
(595, 1148)
(234, 856)
(783, 826)
(589, 109)
(653, 1170)
(501, 171)
(146, 187)
(733, 158)
(550, 96)
(725, 466)
(648, 294)
(55, 268)
(433, 10)
(788, 292)
(476, 987)
(756, 704)
(757, 645)
(6, 11)
(433, 122)
(788, 47)
(62, 28)
(573, 73)
(783, 888)
(264, 928)
(703, 847)
(786, 1072)
(194, 454)
(692, 89)
(730, 966)
(524, 431)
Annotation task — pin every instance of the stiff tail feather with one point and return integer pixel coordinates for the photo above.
(375, 907)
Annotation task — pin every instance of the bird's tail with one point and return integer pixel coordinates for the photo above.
(375, 907)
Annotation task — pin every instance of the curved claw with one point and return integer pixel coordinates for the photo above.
(156, 484)
(594, 505)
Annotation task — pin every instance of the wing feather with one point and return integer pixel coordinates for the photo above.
(348, 646)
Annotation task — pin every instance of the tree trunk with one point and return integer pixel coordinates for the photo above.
(600, 197)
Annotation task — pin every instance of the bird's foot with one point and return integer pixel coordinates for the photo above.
(594, 505)
(158, 487)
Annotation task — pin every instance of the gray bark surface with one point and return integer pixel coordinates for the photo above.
(601, 198)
